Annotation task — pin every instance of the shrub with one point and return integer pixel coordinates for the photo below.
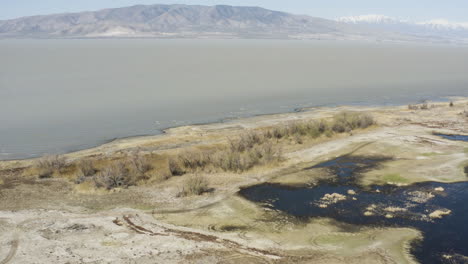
(279, 132)
(45, 172)
(246, 141)
(47, 165)
(346, 121)
(228, 160)
(116, 175)
(80, 177)
(86, 168)
(451, 104)
(140, 163)
(424, 105)
(241, 161)
(174, 167)
(365, 121)
(192, 160)
(194, 185)
(298, 139)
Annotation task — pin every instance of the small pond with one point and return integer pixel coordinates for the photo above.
(454, 137)
(423, 206)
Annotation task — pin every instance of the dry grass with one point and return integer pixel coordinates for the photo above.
(140, 163)
(49, 164)
(86, 167)
(194, 185)
(175, 169)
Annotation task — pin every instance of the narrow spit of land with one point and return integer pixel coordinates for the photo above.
(174, 198)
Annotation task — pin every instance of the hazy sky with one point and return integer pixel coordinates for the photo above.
(454, 10)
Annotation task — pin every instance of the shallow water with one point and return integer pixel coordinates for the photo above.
(448, 235)
(63, 95)
(454, 137)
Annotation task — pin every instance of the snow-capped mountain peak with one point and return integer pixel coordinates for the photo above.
(444, 24)
(369, 19)
(436, 24)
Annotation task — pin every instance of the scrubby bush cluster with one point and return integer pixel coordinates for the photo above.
(115, 175)
(346, 122)
(140, 163)
(423, 105)
(194, 185)
(120, 173)
(49, 164)
(258, 147)
(234, 158)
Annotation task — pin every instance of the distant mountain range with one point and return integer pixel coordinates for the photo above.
(194, 21)
(436, 29)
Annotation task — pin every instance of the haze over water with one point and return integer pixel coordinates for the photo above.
(63, 95)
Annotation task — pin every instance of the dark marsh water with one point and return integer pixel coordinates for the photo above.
(445, 236)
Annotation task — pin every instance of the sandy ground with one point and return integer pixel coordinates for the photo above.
(56, 221)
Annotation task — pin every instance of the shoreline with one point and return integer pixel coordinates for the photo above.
(226, 120)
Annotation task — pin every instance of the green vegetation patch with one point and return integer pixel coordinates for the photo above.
(395, 178)
(430, 154)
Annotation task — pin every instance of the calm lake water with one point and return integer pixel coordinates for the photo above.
(62, 95)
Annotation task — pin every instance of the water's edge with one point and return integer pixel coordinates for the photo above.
(165, 130)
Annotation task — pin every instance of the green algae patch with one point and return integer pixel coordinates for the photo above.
(430, 154)
(394, 178)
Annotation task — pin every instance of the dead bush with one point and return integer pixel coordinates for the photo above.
(80, 177)
(194, 185)
(413, 107)
(424, 105)
(86, 168)
(113, 176)
(175, 168)
(238, 162)
(193, 160)
(347, 121)
(140, 163)
(279, 132)
(246, 141)
(49, 164)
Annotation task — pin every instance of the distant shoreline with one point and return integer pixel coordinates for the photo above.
(168, 130)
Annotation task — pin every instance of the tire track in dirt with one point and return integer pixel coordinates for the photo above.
(13, 249)
(190, 235)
